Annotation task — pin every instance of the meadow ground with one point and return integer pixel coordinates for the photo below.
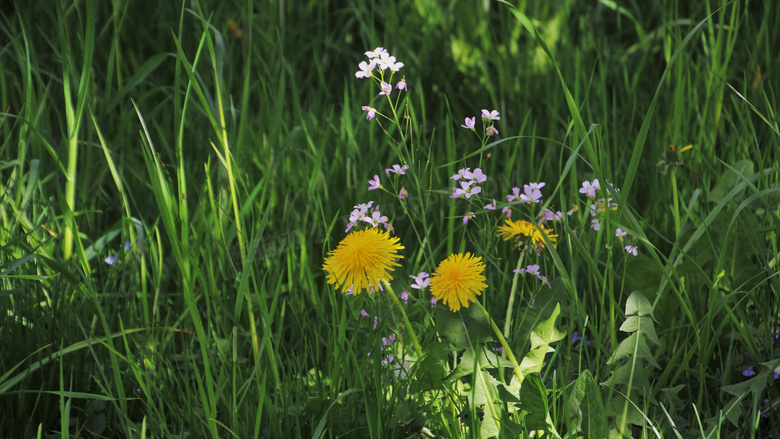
(390, 219)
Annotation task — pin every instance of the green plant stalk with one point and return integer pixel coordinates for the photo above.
(408, 324)
(676, 206)
(509, 355)
(512, 291)
(70, 177)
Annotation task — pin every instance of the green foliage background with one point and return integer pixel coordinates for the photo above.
(228, 162)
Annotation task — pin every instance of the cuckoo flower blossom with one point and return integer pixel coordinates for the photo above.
(371, 112)
(365, 69)
(401, 85)
(534, 270)
(469, 125)
(397, 169)
(490, 115)
(386, 89)
(374, 184)
(589, 188)
(421, 280)
(491, 131)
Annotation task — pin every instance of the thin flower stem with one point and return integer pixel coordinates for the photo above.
(408, 324)
(676, 205)
(509, 355)
(511, 303)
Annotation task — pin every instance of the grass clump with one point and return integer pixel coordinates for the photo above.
(562, 217)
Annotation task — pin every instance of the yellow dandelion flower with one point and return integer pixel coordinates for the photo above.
(362, 260)
(458, 279)
(523, 229)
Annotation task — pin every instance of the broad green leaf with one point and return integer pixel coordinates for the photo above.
(634, 346)
(637, 304)
(641, 325)
(541, 337)
(533, 399)
(586, 406)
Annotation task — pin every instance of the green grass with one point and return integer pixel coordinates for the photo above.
(230, 164)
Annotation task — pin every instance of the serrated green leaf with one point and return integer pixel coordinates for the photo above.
(637, 304)
(643, 325)
(586, 406)
(487, 359)
(622, 376)
(533, 399)
(465, 328)
(541, 337)
(634, 346)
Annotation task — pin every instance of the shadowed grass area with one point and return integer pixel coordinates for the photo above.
(172, 180)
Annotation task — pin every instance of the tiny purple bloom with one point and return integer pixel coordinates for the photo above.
(595, 224)
(128, 245)
(404, 296)
(388, 360)
(365, 69)
(477, 176)
(619, 233)
(491, 131)
(433, 302)
(376, 53)
(490, 115)
(575, 337)
(110, 260)
(748, 372)
(395, 67)
(397, 169)
(386, 89)
(534, 269)
(589, 189)
(421, 280)
(403, 194)
(514, 195)
(376, 320)
(631, 249)
(491, 206)
(371, 112)
(467, 217)
(374, 184)
(401, 85)
(469, 125)
(386, 61)
(461, 174)
(363, 314)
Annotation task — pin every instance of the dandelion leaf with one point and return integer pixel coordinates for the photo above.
(541, 337)
(429, 373)
(464, 328)
(533, 399)
(586, 408)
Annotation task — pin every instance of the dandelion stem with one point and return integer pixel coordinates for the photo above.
(408, 324)
(509, 355)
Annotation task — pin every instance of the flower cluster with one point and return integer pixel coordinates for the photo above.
(469, 183)
(488, 121)
(363, 213)
(601, 201)
(379, 61)
(534, 270)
